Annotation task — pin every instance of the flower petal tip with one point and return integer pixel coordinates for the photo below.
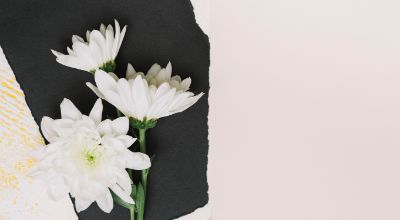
(56, 53)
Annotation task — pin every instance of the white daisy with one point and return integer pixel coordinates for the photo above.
(99, 52)
(148, 96)
(87, 157)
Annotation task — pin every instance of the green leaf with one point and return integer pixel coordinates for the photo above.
(119, 201)
(134, 191)
(130, 173)
(140, 201)
(119, 114)
(133, 131)
(146, 173)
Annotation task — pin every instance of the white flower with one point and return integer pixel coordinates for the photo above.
(99, 52)
(86, 157)
(145, 97)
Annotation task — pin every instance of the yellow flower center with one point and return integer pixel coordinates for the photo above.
(92, 155)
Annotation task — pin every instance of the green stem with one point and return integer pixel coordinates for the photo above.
(142, 143)
(132, 212)
(142, 140)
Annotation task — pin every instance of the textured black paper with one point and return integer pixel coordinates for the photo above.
(158, 31)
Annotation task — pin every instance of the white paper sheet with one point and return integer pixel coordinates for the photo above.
(22, 197)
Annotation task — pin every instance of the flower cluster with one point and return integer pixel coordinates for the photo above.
(92, 159)
(98, 51)
(145, 97)
(87, 156)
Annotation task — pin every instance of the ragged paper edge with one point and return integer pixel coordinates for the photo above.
(203, 213)
(62, 209)
(202, 14)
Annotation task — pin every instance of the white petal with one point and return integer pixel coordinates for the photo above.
(63, 127)
(57, 191)
(179, 101)
(127, 140)
(125, 94)
(103, 30)
(113, 143)
(95, 90)
(70, 51)
(124, 181)
(81, 204)
(141, 97)
(168, 69)
(120, 39)
(109, 42)
(165, 74)
(104, 81)
(162, 90)
(130, 72)
(97, 38)
(75, 62)
(176, 78)
(96, 112)
(175, 84)
(46, 126)
(105, 127)
(115, 46)
(154, 69)
(115, 77)
(76, 38)
(185, 84)
(161, 105)
(56, 53)
(121, 194)
(69, 110)
(120, 125)
(96, 54)
(187, 103)
(105, 203)
(115, 99)
(88, 36)
(83, 51)
(137, 161)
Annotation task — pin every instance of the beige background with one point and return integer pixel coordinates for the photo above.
(305, 110)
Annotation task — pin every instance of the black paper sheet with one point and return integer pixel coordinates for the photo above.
(158, 31)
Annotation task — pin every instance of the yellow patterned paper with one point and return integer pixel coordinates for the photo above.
(21, 197)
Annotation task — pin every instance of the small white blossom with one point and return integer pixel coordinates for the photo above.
(145, 96)
(87, 157)
(98, 51)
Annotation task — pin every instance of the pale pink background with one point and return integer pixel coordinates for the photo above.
(305, 110)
